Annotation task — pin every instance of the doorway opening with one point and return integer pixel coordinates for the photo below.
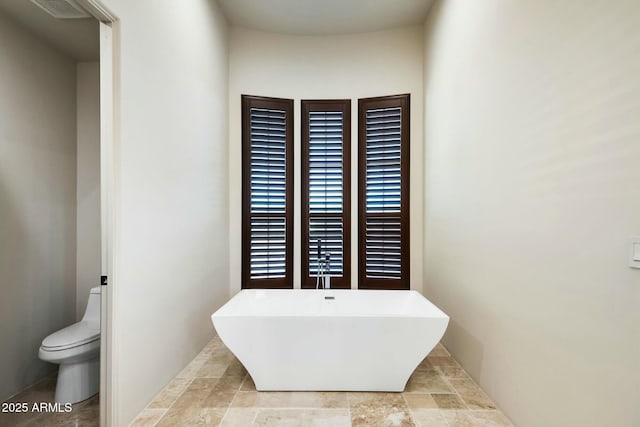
(57, 144)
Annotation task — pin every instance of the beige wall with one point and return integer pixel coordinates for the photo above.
(325, 67)
(170, 255)
(532, 151)
(88, 183)
(37, 202)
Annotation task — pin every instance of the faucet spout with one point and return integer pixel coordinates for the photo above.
(319, 271)
(327, 269)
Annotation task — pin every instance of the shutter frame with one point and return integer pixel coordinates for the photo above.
(403, 282)
(286, 105)
(307, 107)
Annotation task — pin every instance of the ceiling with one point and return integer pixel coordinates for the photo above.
(79, 38)
(315, 17)
(76, 38)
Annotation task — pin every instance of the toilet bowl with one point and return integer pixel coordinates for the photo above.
(77, 349)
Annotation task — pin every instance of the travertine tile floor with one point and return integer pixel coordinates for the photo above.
(83, 414)
(215, 390)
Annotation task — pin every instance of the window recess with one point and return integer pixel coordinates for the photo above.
(267, 192)
(326, 195)
(383, 193)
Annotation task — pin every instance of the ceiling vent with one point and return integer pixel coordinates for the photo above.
(62, 9)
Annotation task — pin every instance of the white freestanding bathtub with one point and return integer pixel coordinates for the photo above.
(351, 340)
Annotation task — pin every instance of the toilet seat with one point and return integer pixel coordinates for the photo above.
(72, 336)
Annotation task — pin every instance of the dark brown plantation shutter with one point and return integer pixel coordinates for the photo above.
(326, 195)
(383, 145)
(267, 191)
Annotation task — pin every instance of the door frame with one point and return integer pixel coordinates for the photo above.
(109, 142)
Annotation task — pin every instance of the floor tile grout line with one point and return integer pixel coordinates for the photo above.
(233, 398)
(413, 420)
(177, 397)
(349, 407)
(190, 381)
(468, 377)
(255, 417)
(164, 412)
(174, 400)
(455, 390)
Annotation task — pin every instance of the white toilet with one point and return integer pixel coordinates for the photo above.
(77, 349)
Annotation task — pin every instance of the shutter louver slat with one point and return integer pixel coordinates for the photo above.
(383, 243)
(325, 189)
(325, 162)
(268, 200)
(268, 247)
(383, 159)
(383, 190)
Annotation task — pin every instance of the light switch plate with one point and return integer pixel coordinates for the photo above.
(634, 253)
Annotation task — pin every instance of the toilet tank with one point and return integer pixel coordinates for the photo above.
(92, 312)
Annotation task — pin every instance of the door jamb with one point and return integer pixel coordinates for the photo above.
(109, 143)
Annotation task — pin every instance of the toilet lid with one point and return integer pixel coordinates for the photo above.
(72, 336)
